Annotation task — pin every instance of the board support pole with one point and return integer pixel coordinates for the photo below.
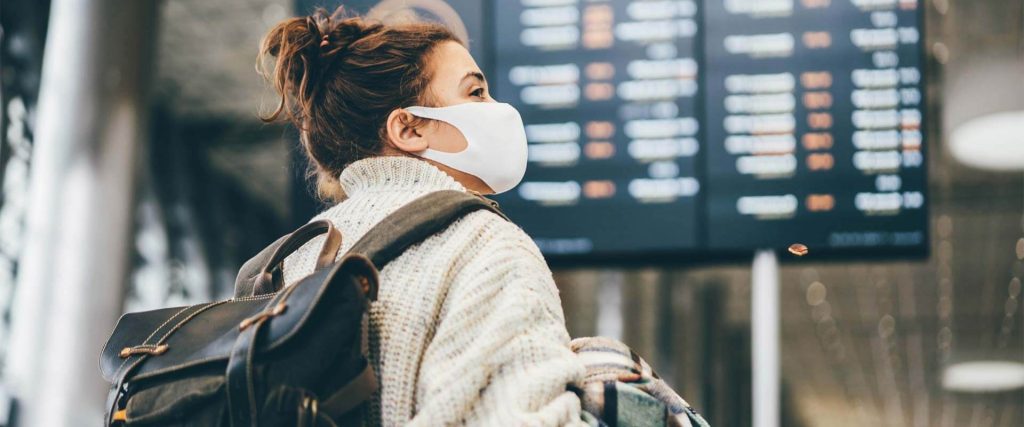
(765, 343)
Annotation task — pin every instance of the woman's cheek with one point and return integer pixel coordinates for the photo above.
(448, 139)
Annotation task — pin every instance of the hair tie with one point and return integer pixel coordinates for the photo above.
(323, 41)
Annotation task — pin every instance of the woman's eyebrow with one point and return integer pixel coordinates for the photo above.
(475, 75)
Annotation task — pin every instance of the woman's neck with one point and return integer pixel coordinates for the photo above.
(471, 182)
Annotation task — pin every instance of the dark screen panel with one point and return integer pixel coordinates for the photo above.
(608, 93)
(814, 124)
(709, 128)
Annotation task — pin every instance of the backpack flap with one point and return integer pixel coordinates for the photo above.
(149, 344)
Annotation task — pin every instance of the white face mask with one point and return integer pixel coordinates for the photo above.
(496, 151)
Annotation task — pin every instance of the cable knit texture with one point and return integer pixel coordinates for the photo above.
(468, 327)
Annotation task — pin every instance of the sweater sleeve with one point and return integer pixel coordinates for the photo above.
(500, 353)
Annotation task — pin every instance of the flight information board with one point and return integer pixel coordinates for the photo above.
(715, 126)
(608, 94)
(813, 124)
(704, 128)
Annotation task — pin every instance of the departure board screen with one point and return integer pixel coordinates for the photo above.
(715, 126)
(696, 129)
(608, 92)
(813, 124)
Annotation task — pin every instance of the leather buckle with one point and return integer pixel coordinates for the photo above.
(143, 349)
(277, 310)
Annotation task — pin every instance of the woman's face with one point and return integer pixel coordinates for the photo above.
(455, 79)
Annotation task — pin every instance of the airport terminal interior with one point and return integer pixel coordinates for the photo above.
(846, 176)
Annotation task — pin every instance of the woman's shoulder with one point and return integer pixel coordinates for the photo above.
(495, 235)
(491, 222)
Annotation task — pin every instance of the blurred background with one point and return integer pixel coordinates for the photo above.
(135, 174)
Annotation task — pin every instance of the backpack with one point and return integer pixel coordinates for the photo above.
(271, 355)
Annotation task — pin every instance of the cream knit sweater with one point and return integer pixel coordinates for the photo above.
(468, 326)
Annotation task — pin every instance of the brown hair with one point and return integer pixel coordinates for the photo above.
(339, 77)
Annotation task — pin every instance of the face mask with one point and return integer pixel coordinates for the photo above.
(496, 151)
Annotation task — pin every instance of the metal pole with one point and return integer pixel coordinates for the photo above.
(609, 304)
(72, 271)
(765, 344)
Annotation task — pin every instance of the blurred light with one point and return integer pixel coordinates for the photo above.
(816, 293)
(993, 141)
(983, 376)
(273, 13)
(398, 11)
(983, 110)
(941, 52)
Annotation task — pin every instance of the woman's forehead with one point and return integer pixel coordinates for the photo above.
(451, 62)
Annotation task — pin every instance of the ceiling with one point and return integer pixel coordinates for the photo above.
(206, 78)
(207, 55)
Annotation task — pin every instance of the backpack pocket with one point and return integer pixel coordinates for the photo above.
(186, 402)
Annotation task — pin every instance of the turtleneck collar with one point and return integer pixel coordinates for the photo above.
(395, 173)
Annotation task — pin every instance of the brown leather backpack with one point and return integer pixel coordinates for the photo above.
(272, 355)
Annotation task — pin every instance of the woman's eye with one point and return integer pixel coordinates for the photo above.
(478, 92)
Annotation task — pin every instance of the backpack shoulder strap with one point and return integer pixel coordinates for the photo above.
(417, 221)
(407, 226)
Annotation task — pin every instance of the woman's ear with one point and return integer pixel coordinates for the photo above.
(403, 133)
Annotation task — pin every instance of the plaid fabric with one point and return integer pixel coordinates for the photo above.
(614, 371)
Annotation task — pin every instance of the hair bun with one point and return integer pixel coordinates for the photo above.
(336, 31)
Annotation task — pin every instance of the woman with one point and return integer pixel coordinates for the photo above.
(468, 326)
